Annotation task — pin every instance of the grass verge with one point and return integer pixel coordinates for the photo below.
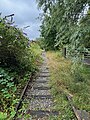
(63, 82)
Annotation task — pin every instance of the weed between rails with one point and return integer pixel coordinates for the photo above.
(64, 82)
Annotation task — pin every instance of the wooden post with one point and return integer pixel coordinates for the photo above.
(64, 52)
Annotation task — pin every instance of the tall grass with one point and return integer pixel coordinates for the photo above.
(68, 80)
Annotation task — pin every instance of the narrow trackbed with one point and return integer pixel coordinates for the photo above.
(40, 100)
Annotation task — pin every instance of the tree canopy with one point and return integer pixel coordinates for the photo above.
(66, 23)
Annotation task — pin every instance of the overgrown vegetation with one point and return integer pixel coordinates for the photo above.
(65, 81)
(18, 60)
(65, 23)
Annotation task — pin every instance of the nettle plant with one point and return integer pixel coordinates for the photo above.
(8, 98)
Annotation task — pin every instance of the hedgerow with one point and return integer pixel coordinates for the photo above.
(18, 60)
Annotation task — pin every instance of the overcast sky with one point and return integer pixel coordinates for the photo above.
(26, 13)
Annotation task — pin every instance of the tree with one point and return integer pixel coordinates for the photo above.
(48, 31)
(66, 16)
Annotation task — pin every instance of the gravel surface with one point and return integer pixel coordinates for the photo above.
(41, 103)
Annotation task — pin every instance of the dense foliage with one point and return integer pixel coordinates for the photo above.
(18, 61)
(68, 21)
(48, 33)
(14, 47)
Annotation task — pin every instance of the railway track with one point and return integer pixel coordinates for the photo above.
(40, 101)
(38, 95)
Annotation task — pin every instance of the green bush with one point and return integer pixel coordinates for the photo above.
(13, 47)
(18, 60)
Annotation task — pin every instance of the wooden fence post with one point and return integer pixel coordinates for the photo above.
(64, 52)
